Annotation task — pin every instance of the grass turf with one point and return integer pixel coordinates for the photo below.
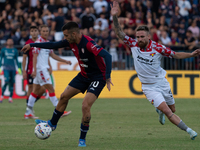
(116, 124)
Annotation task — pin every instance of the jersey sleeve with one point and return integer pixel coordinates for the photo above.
(130, 41)
(165, 51)
(93, 47)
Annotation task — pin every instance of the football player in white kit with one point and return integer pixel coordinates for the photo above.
(40, 72)
(147, 56)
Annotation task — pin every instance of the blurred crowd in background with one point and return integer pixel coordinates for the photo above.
(174, 23)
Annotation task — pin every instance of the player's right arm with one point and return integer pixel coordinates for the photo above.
(114, 12)
(56, 57)
(35, 55)
(46, 45)
(24, 66)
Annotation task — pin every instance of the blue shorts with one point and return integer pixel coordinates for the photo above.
(92, 86)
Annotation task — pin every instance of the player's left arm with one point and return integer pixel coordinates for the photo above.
(50, 67)
(108, 61)
(98, 50)
(183, 55)
(56, 57)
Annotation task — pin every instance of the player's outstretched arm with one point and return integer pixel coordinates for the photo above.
(183, 55)
(46, 45)
(56, 57)
(26, 48)
(114, 12)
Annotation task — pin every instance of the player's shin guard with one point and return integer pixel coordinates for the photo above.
(56, 116)
(84, 130)
(53, 99)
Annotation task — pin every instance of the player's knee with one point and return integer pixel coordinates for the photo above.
(6, 81)
(85, 107)
(167, 112)
(63, 98)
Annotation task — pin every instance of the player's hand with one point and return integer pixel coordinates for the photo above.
(196, 53)
(114, 8)
(26, 48)
(109, 82)
(33, 74)
(19, 71)
(24, 75)
(68, 62)
(50, 70)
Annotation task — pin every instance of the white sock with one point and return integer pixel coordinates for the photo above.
(188, 129)
(31, 100)
(53, 99)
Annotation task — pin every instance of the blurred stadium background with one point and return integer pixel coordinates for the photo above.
(174, 23)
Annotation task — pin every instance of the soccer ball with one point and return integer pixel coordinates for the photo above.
(43, 131)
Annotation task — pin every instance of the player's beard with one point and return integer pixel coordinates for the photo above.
(142, 44)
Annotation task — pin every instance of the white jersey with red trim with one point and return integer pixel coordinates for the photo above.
(43, 55)
(147, 62)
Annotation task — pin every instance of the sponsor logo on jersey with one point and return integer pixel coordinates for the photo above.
(144, 60)
(152, 54)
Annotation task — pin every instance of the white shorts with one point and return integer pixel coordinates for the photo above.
(158, 92)
(42, 77)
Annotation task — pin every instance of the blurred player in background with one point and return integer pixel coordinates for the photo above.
(10, 56)
(28, 68)
(41, 74)
(147, 56)
(94, 75)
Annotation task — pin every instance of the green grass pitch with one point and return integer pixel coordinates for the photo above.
(116, 124)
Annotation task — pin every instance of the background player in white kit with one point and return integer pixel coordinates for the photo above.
(147, 56)
(40, 72)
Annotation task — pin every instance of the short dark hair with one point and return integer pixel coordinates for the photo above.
(142, 28)
(70, 25)
(189, 31)
(33, 27)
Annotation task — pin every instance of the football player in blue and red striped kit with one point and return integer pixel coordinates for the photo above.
(94, 74)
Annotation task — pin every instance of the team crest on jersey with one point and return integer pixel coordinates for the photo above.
(152, 101)
(48, 79)
(152, 54)
(82, 49)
